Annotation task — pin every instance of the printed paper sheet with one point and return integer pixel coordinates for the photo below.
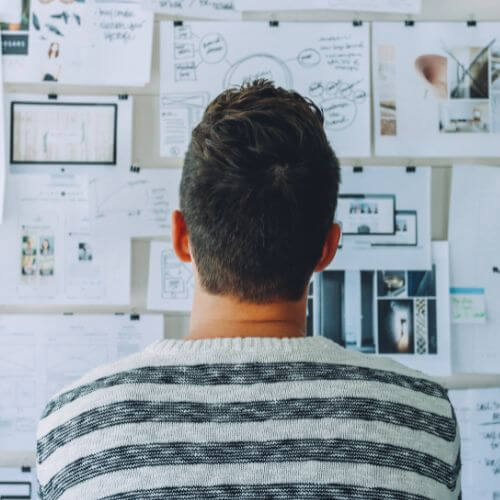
(385, 215)
(18, 483)
(399, 6)
(48, 254)
(478, 415)
(436, 89)
(474, 235)
(77, 134)
(329, 62)
(207, 9)
(389, 311)
(87, 42)
(41, 354)
(171, 282)
(137, 204)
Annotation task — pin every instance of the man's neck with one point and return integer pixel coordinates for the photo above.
(216, 316)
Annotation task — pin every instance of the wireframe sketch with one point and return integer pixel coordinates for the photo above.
(177, 278)
(329, 65)
(179, 114)
(135, 204)
(64, 133)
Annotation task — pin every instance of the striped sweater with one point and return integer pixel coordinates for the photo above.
(250, 418)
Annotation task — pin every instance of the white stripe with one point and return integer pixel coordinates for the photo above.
(267, 473)
(138, 434)
(254, 392)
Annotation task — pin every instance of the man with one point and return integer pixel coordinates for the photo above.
(247, 407)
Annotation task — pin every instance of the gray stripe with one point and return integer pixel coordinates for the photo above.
(128, 412)
(321, 450)
(246, 373)
(302, 491)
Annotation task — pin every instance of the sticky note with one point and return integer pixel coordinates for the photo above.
(468, 305)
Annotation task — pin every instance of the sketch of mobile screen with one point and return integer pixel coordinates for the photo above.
(362, 214)
(406, 231)
(68, 134)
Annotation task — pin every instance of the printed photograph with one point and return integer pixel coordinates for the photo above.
(433, 70)
(464, 117)
(84, 252)
(422, 283)
(391, 283)
(46, 260)
(363, 208)
(16, 16)
(495, 69)
(395, 327)
(387, 89)
(46, 245)
(28, 255)
(469, 72)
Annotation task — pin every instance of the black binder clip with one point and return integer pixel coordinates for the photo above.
(135, 317)
(52, 97)
(409, 22)
(357, 23)
(274, 23)
(122, 97)
(471, 23)
(496, 270)
(411, 169)
(178, 23)
(135, 169)
(358, 169)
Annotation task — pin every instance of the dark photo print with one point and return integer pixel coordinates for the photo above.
(391, 283)
(422, 283)
(395, 327)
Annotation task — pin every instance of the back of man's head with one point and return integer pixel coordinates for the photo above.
(258, 193)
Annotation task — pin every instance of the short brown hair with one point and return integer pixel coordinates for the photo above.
(258, 193)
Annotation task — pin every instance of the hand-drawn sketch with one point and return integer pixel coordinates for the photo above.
(386, 223)
(399, 313)
(179, 114)
(436, 82)
(81, 42)
(177, 278)
(171, 282)
(208, 9)
(135, 204)
(41, 354)
(328, 64)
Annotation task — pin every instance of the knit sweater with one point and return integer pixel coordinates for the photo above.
(250, 418)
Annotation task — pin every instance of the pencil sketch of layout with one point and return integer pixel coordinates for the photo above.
(329, 64)
(171, 282)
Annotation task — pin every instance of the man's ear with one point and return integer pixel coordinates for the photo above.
(329, 247)
(180, 237)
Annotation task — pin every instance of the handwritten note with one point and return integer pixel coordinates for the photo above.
(468, 305)
(208, 9)
(478, 414)
(85, 43)
(328, 63)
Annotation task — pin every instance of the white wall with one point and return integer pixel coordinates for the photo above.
(146, 154)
